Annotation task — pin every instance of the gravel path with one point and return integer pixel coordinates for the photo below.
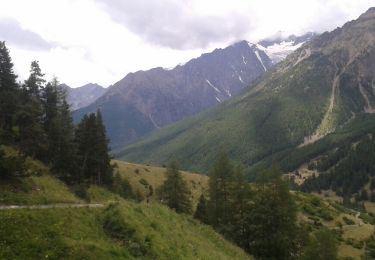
(51, 206)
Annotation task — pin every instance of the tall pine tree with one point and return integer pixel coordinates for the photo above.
(221, 187)
(272, 222)
(174, 192)
(32, 137)
(93, 151)
(8, 94)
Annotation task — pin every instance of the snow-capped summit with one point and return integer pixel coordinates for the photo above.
(277, 48)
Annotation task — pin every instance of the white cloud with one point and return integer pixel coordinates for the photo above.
(101, 41)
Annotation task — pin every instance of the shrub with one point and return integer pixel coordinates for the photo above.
(115, 227)
(143, 182)
(348, 221)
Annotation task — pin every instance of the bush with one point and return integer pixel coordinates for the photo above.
(348, 221)
(11, 166)
(115, 227)
(122, 187)
(143, 182)
(80, 190)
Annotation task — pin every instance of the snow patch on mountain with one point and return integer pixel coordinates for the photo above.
(260, 60)
(243, 60)
(211, 85)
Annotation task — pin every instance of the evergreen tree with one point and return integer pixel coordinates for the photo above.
(220, 192)
(35, 83)
(58, 125)
(174, 192)
(272, 228)
(201, 211)
(32, 137)
(8, 93)
(322, 246)
(11, 166)
(104, 170)
(93, 151)
(242, 195)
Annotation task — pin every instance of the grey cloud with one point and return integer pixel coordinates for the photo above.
(12, 32)
(172, 24)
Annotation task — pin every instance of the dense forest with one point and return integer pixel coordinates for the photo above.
(36, 120)
(346, 170)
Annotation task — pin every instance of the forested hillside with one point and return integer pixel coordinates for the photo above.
(320, 91)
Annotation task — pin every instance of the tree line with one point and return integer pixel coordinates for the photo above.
(260, 217)
(35, 118)
(349, 174)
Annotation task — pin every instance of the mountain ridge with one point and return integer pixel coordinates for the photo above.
(288, 104)
(84, 95)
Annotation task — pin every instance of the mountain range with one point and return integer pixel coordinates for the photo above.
(148, 100)
(83, 96)
(321, 94)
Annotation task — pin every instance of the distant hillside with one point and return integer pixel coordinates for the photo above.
(321, 89)
(147, 100)
(142, 176)
(83, 96)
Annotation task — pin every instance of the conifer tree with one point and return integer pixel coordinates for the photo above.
(8, 93)
(105, 170)
(322, 246)
(174, 192)
(93, 151)
(272, 229)
(32, 137)
(242, 196)
(220, 192)
(201, 211)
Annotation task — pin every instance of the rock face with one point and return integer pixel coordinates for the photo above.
(83, 96)
(147, 100)
(322, 87)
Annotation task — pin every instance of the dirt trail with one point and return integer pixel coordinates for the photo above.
(51, 206)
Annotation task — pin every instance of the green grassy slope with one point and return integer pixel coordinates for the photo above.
(317, 90)
(120, 230)
(79, 234)
(142, 176)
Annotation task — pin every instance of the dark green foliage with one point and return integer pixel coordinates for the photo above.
(201, 212)
(272, 221)
(115, 227)
(261, 219)
(36, 120)
(221, 188)
(364, 195)
(348, 221)
(351, 174)
(322, 246)
(8, 93)
(32, 137)
(58, 125)
(93, 151)
(11, 166)
(80, 190)
(174, 192)
(122, 187)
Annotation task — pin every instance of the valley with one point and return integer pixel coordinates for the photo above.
(261, 149)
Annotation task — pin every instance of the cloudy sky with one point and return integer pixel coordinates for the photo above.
(82, 41)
